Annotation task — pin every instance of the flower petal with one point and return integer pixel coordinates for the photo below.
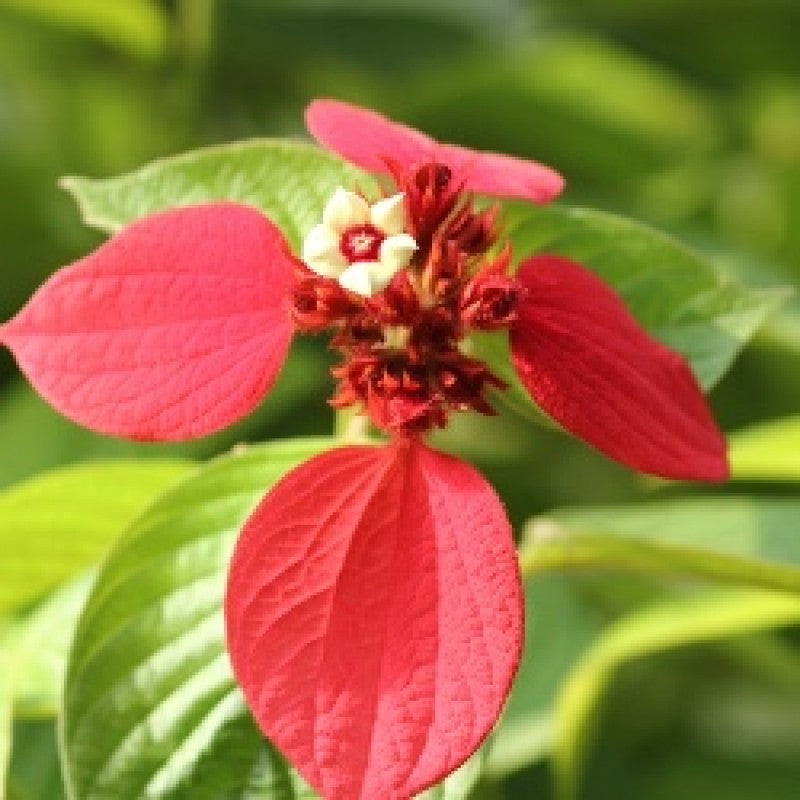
(374, 617)
(502, 176)
(366, 138)
(587, 362)
(389, 214)
(344, 210)
(172, 329)
(396, 251)
(367, 278)
(321, 251)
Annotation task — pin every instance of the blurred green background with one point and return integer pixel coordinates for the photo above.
(682, 114)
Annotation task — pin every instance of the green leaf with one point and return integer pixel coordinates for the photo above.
(37, 647)
(289, 181)
(677, 295)
(35, 772)
(139, 26)
(6, 718)
(769, 451)
(559, 626)
(660, 626)
(744, 540)
(150, 704)
(60, 523)
(698, 773)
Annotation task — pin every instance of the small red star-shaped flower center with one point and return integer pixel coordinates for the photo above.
(361, 243)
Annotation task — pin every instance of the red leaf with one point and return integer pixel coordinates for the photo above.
(587, 362)
(374, 617)
(499, 175)
(173, 328)
(366, 138)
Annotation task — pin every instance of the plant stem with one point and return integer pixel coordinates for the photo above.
(350, 426)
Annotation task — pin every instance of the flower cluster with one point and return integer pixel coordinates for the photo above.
(402, 337)
(373, 611)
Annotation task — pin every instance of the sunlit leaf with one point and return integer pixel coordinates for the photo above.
(744, 540)
(290, 182)
(60, 523)
(151, 708)
(661, 626)
(37, 646)
(559, 625)
(768, 451)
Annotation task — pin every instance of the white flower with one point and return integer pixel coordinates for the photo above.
(361, 246)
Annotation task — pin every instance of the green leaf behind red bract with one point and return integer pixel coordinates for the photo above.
(374, 617)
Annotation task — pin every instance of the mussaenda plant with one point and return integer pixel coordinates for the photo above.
(373, 609)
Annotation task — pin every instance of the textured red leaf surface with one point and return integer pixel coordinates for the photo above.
(500, 175)
(374, 617)
(587, 362)
(173, 328)
(366, 137)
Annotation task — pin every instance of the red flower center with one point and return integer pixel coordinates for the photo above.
(361, 243)
(403, 359)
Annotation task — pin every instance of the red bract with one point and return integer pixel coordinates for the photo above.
(373, 609)
(367, 138)
(174, 328)
(588, 364)
(374, 617)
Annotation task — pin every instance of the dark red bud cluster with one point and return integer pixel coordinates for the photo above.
(431, 195)
(474, 231)
(489, 300)
(405, 395)
(317, 302)
(395, 392)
